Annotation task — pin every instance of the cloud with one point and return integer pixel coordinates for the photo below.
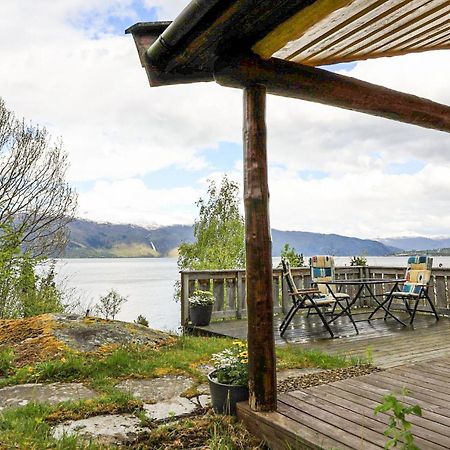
(67, 65)
(167, 10)
(130, 201)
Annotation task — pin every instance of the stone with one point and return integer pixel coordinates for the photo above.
(22, 394)
(113, 429)
(156, 389)
(174, 407)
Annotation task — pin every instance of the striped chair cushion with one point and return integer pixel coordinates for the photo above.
(417, 275)
(322, 269)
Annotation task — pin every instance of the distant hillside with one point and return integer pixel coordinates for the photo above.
(328, 244)
(431, 252)
(417, 243)
(105, 240)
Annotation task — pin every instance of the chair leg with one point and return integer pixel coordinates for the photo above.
(289, 316)
(324, 321)
(408, 308)
(349, 314)
(388, 306)
(414, 311)
(432, 305)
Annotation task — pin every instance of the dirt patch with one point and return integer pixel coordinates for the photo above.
(194, 433)
(324, 377)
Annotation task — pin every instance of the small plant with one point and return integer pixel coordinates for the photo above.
(7, 358)
(110, 304)
(231, 364)
(399, 428)
(358, 261)
(201, 298)
(141, 320)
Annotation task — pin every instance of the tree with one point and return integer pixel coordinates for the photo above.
(34, 195)
(219, 231)
(295, 259)
(358, 261)
(23, 292)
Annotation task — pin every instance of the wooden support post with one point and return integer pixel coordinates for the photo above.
(261, 345)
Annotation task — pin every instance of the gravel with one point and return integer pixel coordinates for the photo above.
(324, 377)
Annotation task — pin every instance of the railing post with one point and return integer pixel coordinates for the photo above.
(240, 301)
(184, 299)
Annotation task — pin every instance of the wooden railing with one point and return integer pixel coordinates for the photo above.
(228, 287)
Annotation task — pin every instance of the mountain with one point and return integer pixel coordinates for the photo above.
(328, 244)
(417, 243)
(106, 240)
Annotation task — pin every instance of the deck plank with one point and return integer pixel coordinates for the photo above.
(364, 420)
(340, 414)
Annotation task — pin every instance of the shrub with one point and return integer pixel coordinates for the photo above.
(110, 304)
(141, 320)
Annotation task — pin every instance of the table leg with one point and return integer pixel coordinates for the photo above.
(348, 307)
(381, 305)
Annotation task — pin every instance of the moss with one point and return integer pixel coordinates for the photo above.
(32, 339)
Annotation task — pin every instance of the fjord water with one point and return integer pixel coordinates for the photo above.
(148, 283)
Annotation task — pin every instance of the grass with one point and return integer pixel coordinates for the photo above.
(7, 359)
(183, 357)
(292, 357)
(29, 427)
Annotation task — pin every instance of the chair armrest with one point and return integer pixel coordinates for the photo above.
(305, 291)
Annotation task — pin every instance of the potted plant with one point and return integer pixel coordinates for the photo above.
(228, 382)
(200, 307)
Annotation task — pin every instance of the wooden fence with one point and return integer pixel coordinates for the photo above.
(228, 287)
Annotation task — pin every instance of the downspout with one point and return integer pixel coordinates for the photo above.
(188, 19)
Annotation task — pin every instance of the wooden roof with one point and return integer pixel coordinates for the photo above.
(275, 43)
(310, 32)
(329, 32)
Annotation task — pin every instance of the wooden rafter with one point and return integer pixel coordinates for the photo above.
(317, 85)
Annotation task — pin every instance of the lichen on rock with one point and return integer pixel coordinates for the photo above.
(50, 335)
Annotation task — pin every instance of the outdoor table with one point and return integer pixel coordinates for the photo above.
(367, 283)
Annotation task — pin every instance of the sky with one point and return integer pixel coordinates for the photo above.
(144, 156)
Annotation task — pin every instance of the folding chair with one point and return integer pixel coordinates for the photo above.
(322, 276)
(418, 275)
(304, 299)
(322, 270)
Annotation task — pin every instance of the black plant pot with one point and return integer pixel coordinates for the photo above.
(225, 396)
(200, 314)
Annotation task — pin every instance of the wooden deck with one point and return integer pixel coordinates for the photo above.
(340, 415)
(387, 342)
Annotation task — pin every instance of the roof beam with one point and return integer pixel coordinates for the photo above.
(294, 80)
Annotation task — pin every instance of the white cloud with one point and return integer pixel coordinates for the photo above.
(168, 10)
(130, 201)
(90, 89)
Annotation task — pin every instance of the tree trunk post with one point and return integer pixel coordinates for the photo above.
(261, 344)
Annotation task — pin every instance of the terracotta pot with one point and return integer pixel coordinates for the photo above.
(200, 314)
(225, 396)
